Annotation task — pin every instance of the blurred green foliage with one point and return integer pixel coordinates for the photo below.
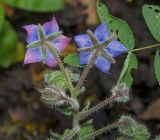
(8, 43)
(11, 50)
(36, 5)
(1, 17)
(151, 14)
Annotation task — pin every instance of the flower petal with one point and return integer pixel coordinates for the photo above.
(50, 60)
(83, 41)
(50, 27)
(115, 48)
(33, 55)
(102, 64)
(32, 33)
(61, 42)
(102, 32)
(84, 57)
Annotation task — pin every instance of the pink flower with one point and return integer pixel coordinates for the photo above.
(39, 52)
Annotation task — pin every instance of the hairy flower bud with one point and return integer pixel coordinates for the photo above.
(132, 129)
(126, 128)
(157, 138)
(53, 96)
(122, 91)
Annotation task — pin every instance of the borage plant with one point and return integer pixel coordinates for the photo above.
(64, 86)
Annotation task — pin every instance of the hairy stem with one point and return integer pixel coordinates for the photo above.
(56, 55)
(88, 67)
(101, 105)
(103, 130)
(144, 48)
(71, 134)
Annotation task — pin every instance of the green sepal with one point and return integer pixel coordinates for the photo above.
(53, 36)
(107, 56)
(34, 44)
(41, 32)
(44, 54)
(93, 38)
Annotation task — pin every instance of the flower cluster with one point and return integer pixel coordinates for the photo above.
(37, 51)
(46, 43)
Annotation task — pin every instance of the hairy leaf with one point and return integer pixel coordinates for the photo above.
(56, 79)
(37, 5)
(157, 65)
(86, 128)
(151, 15)
(117, 26)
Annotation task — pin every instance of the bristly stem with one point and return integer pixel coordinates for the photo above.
(103, 130)
(96, 108)
(96, 52)
(56, 55)
(144, 48)
(87, 69)
(71, 134)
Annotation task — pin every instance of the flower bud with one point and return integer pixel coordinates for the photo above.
(132, 129)
(122, 91)
(127, 127)
(157, 138)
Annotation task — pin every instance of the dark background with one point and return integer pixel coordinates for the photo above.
(23, 116)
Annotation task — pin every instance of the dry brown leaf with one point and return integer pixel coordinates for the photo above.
(91, 11)
(152, 112)
(9, 11)
(71, 48)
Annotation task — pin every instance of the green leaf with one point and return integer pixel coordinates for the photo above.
(133, 64)
(73, 60)
(67, 111)
(125, 67)
(116, 26)
(86, 128)
(151, 15)
(8, 44)
(102, 11)
(123, 32)
(56, 79)
(37, 5)
(1, 17)
(157, 65)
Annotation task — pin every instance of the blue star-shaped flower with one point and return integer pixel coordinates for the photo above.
(114, 49)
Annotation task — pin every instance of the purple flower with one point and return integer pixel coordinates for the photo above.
(114, 49)
(35, 54)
